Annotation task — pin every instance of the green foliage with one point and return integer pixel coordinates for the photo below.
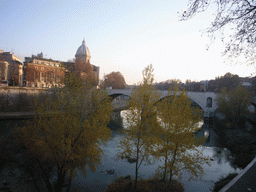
(139, 138)
(177, 145)
(234, 103)
(70, 136)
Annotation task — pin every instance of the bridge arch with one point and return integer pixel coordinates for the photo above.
(193, 103)
(119, 101)
(115, 95)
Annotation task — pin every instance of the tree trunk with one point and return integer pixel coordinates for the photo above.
(137, 161)
(60, 179)
(173, 161)
(136, 172)
(45, 178)
(165, 166)
(170, 176)
(70, 180)
(34, 181)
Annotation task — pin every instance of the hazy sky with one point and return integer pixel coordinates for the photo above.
(122, 35)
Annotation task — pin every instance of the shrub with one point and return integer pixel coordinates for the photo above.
(149, 185)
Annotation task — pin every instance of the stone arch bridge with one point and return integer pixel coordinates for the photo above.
(206, 100)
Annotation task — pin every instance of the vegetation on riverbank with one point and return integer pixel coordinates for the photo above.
(62, 144)
(239, 138)
(126, 184)
(237, 130)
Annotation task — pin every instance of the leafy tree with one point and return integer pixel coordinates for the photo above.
(114, 80)
(192, 86)
(15, 156)
(69, 137)
(177, 145)
(84, 70)
(139, 137)
(238, 16)
(165, 85)
(229, 81)
(234, 102)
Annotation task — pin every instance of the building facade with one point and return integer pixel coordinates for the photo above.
(11, 68)
(37, 71)
(41, 72)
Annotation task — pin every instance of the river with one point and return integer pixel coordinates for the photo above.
(220, 165)
(98, 181)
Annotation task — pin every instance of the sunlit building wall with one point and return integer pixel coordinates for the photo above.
(41, 72)
(11, 68)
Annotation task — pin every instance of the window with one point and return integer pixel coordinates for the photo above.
(58, 70)
(209, 102)
(53, 70)
(42, 68)
(36, 68)
(41, 76)
(57, 78)
(47, 77)
(52, 77)
(35, 76)
(48, 69)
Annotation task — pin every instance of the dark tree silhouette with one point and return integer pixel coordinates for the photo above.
(229, 80)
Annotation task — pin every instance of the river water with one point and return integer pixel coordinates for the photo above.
(98, 181)
(220, 165)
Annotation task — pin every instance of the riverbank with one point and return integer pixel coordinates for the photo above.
(239, 137)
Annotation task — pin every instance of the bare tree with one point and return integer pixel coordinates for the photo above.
(238, 16)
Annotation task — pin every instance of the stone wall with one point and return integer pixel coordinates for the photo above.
(20, 99)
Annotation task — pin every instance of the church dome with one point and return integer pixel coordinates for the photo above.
(83, 52)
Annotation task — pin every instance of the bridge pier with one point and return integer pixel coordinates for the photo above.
(208, 117)
(116, 119)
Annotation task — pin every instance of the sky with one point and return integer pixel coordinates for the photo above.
(122, 35)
